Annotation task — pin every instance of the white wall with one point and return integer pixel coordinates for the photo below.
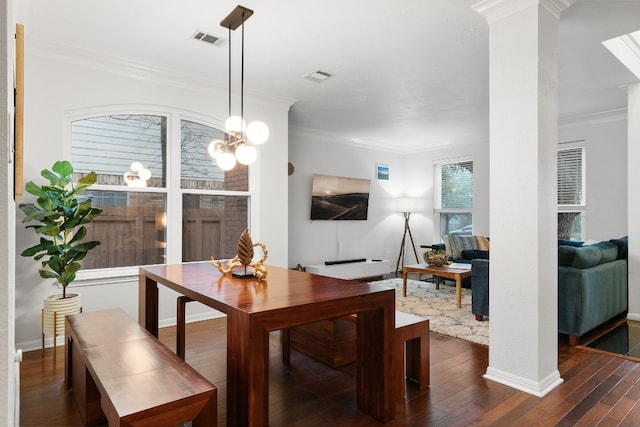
(605, 138)
(312, 242)
(54, 87)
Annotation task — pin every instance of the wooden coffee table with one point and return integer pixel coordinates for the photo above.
(456, 274)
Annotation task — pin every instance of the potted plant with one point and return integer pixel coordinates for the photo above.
(60, 218)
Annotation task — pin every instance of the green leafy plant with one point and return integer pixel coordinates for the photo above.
(61, 219)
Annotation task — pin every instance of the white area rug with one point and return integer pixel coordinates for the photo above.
(439, 306)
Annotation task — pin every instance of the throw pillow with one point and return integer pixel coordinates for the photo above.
(623, 246)
(470, 254)
(459, 243)
(566, 242)
(482, 242)
(447, 246)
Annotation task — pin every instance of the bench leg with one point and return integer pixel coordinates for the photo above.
(417, 364)
(181, 309)
(85, 391)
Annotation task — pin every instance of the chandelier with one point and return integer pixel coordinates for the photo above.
(240, 139)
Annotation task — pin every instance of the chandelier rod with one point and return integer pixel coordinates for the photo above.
(242, 79)
(229, 86)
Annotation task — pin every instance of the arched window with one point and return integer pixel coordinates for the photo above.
(164, 200)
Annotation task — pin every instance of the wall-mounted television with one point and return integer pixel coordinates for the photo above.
(339, 198)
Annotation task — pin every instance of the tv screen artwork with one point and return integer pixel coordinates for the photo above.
(339, 198)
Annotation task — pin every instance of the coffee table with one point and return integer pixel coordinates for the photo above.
(456, 274)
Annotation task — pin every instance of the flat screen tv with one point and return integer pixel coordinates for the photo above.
(339, 198)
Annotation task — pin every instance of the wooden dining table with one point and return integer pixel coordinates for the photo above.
(285, 299)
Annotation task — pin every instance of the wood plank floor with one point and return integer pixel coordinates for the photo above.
(598, 389)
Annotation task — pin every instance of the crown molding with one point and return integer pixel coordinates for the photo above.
(307, 133)
(495, 10)
(619, 114)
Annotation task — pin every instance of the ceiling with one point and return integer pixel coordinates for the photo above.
(408, 75)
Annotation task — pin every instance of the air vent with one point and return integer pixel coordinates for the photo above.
(318, 76)
(209, 38)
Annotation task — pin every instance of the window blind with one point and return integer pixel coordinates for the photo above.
(456, 190)
(571, 176)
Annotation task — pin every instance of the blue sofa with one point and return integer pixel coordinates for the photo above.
(592, 286)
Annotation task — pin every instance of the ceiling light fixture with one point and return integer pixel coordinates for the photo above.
(240, 140)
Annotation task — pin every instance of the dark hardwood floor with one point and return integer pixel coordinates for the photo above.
(598, 389)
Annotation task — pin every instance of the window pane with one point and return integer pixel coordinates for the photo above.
(456, 223)
(198, 169)
(212, 225)
(131, 229)
(570, 225)
(570, 173)
(110, 145)
(456, 190)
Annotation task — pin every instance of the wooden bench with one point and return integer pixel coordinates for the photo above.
(411, 348)
(121, 373)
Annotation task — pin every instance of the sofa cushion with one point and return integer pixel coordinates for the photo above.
(459, 243)
(587, 256)
(482, 242)
(566, 255)
(470, 254)
(608, 251)
(623, 246)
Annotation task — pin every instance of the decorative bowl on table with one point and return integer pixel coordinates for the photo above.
(435, 258)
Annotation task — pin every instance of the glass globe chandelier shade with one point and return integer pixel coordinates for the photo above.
(226, 161)
(215, 148)
(246, 154)
(257, 132)
(235, 125)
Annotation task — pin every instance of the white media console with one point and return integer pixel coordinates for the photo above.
(352, 270)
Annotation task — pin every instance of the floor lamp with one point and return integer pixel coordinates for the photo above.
(406, 205)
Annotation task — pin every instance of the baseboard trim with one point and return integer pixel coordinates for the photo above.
(633, 316)
(162, 323)
(538, 389)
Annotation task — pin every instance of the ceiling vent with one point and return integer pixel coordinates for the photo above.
(209, 38)
(318, 76)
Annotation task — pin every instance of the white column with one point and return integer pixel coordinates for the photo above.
(523, 206)
(633, 198)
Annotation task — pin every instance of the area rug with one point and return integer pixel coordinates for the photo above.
(439, 306)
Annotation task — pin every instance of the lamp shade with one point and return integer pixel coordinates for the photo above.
(406, 204)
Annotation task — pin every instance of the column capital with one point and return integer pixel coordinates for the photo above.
(494, 10)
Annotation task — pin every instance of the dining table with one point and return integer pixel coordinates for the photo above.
(286, 298)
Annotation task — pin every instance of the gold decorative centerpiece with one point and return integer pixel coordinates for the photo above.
(245, 258)
(436, 258)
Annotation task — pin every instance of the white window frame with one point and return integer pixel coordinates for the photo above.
(173, 191)
(437, 190)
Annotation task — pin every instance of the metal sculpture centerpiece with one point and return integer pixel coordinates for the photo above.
(245, 258)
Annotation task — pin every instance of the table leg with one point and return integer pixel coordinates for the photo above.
(148, 303)
(458, 291)
(247, 371)
(376, 385)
